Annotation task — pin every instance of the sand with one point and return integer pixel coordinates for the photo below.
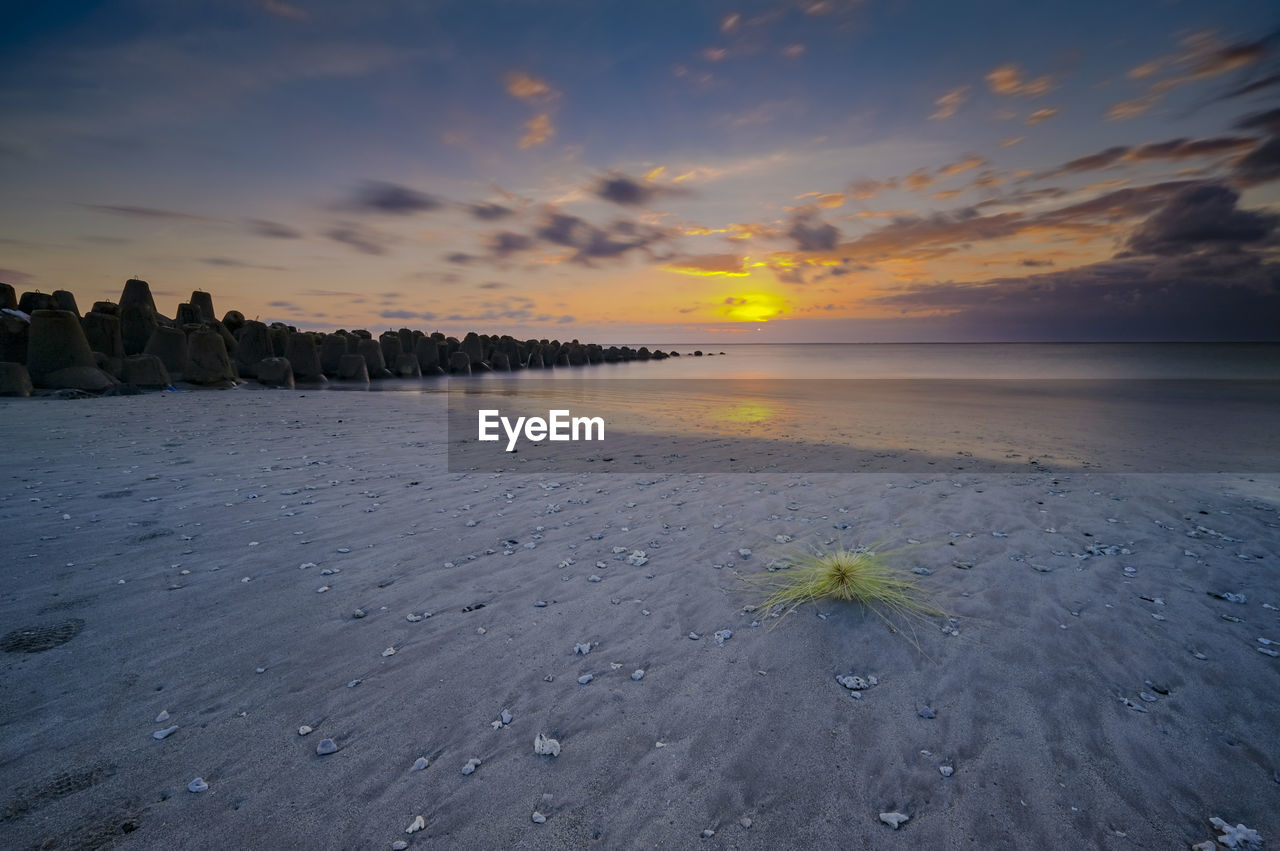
(160, 543)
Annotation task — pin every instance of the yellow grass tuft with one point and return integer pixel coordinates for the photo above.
(855, 576)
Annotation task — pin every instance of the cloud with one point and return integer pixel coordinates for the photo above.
(594, 243)
(794, 50)
(488, 212)
(1007, 80)
(811, 233)
(949, 103)
(918, 180)
(376, 196)
(232, 263)
(407, 314)
(525, 87)
(629, 192)
(146, 212)
(708, 264)
(281, 9)
(1262, 164)
(537, 131)
(825, 200)
(1270, 81)
(271, 230)
(508, 242)
(1172, 149)
(459, 257)
(943, 233)
(15, 278)
(865, 190)
(1041, 115)
(1204, 56)
(1199, 218)
(493, 285)
(362, 239)
(966, 164)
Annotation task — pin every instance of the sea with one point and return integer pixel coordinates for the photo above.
(1102, 407)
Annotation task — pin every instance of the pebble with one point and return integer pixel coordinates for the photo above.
(390, 651)
(946, 770)
(894, 820)
(538, 818)
(744, 553)
(165, 733)
(544, 745)
(198, 785)
(354, 683)
(540, 604)
(745, 822)
(693, 636)
(708, 833)
(358, 613)
(507, 717)
(326, 747)
(471, 766)
(637, 674)
(418, 824)
(343, 550)
(594, 578)
(584, 679)
(303, 730)
(1236, 837)
(164, 713)
(419, 764)
(927, 713)
(399, 845)
(722, 636)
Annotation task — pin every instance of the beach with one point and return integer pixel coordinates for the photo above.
(245, 564)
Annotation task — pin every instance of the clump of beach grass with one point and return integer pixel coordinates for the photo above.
(856, 576)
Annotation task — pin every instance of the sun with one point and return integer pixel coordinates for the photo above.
(753, 307)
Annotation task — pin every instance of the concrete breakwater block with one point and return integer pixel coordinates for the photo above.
(58, 354)
(304, 356)
(207, 359)
(353, 368)
(145, 371)
(274, 372)
(170, 345)
(14, 380)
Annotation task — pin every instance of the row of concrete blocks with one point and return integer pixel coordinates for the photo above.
(44, 343)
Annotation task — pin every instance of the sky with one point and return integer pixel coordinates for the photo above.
(786, 171)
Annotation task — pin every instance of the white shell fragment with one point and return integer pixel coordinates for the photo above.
(894, 820)
(303, 730)
(165, 733)
(538, 818)
(198, 785)
(418, 824)
(544, 745)
(471, 765)
(1236, 837)
(419, 764)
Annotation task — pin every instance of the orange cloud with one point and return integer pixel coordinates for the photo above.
(537, 131)
(1007, 80)
(521, 85)
(949, 103)
(709, 265)
(1041, 115)
(793, 51)
(962, 166)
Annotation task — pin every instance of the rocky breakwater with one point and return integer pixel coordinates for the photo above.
(120, 347)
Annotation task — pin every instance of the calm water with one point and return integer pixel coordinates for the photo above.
(950, 360)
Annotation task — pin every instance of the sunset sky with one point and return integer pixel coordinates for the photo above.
(655, 171)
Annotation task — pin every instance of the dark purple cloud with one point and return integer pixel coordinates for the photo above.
(487, 212)
(361, 239)
(376, 196)
(271, 230)
(811, 233)
(508, 242)
(1199, 218)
